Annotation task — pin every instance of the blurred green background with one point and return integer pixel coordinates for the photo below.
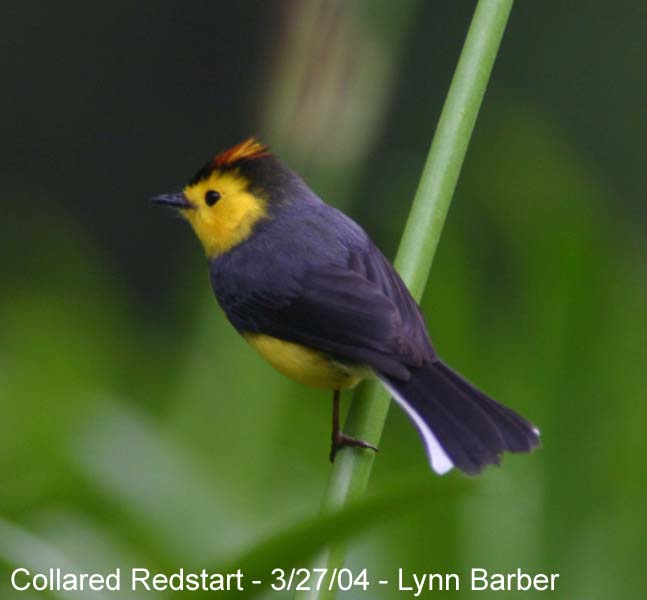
(136, 427)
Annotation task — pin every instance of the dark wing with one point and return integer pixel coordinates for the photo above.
(379, 271)
(359, 311)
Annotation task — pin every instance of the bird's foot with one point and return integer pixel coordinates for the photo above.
(339, 440)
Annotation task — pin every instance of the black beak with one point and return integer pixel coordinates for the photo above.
(175, 200)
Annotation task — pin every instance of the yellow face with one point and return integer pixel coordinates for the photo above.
(223, 211)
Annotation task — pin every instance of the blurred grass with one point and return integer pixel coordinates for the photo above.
(295, 546)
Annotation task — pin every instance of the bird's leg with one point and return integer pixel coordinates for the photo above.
(339, 438)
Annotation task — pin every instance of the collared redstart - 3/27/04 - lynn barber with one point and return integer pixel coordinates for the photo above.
(308, 289)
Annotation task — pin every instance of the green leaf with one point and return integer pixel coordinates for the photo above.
(296, 545)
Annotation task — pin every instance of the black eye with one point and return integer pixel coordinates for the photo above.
(211, 197)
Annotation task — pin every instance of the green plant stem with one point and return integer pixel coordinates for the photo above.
(370, 404)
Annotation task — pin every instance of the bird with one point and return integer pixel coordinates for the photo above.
(307, 288)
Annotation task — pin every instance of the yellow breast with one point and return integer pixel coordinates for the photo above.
(305, 365)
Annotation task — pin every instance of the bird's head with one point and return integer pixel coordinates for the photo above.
(229, 195)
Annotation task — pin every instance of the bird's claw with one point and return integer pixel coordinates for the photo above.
(340, 440)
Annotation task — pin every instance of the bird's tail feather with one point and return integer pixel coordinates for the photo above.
(460, 425)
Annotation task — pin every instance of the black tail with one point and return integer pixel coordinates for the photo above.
(460, 425)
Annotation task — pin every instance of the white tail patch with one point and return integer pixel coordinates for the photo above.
(440, 462)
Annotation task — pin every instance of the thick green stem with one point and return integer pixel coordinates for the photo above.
(370, 405)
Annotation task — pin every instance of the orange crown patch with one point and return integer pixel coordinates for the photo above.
(250, 148)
